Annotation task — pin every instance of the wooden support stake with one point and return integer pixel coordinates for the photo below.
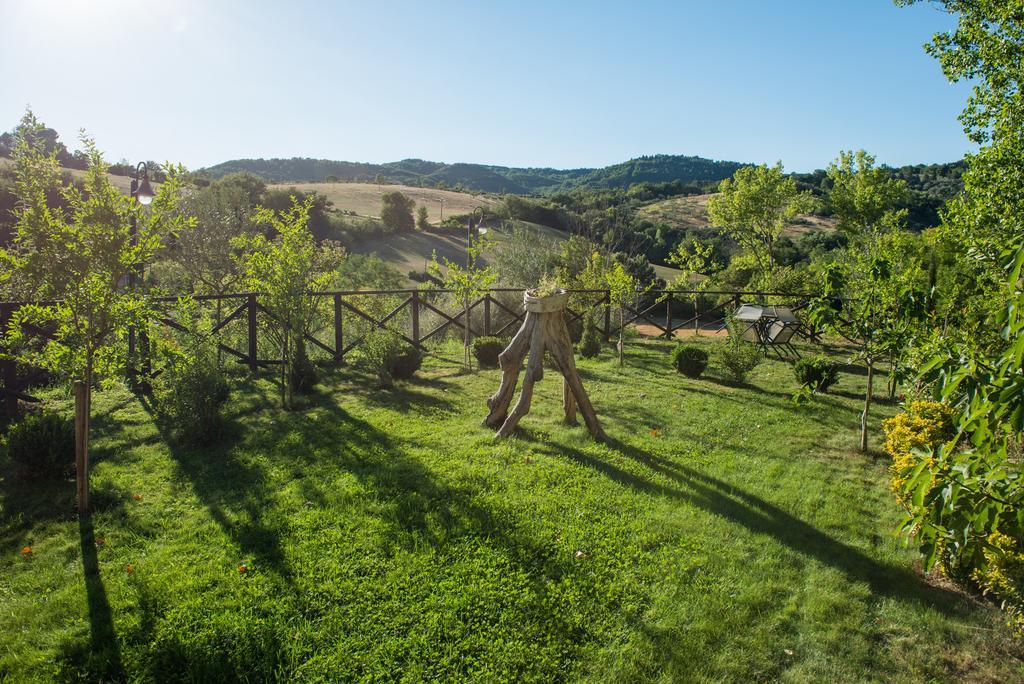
(82, 446)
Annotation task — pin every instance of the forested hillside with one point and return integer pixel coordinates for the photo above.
(483, 178)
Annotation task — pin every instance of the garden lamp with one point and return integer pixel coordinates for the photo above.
(141, 188)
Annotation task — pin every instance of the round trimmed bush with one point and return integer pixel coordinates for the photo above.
(816, 372)
(486, 351)
(404, 363)
(689, 360)
(41, 446)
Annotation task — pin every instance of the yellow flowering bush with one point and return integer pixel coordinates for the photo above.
(924, 424)
(1003, 577)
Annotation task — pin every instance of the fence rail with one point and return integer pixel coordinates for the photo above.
(418, 316)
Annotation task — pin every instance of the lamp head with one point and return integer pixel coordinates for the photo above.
(145, 193)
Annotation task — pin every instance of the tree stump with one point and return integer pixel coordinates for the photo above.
(543, 330)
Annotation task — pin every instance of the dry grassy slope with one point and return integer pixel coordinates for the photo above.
(365, 198)
(692, 212)
(412, 251)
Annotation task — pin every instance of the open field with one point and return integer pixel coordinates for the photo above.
(692, 212)
(412, 251)
(365, 198)
(723, 534)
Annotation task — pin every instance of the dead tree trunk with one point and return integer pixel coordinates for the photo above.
(543, 329)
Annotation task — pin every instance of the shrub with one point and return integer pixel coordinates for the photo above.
(192, 391)
(590, 340)
(922, 426)
(389, 357)
(817, 373)
(405, 362)
(486, 351)
(41, 446)
(1002, 576)
(737, 356)
(689, 360)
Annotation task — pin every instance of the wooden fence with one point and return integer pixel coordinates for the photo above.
(418, 316)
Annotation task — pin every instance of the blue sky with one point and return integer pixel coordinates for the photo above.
(561, 84)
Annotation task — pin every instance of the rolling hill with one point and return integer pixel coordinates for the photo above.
(364, 199)
(485, 178)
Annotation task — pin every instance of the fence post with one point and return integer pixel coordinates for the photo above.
(416, 316)
(607, 300)
(487, 314)
(251, 299)
(339, 331)
(668, 316)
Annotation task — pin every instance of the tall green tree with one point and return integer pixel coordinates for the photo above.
(967, 499)
(466, 283)
(865, 198)
(754, 207)
(875, 291)
(396, 211)
(286, 269)
(77, 257)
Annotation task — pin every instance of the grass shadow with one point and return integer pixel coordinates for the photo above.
(233, 490)
(761, 517)
(99, 659)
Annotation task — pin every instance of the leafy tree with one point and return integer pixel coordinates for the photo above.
(320, 221)
(396, 211)
(693, 260)
(873, 294)
(753, 208)
(622, 289)
(982, 226)
(967, 497)
(422, 223)
(466, 283)
(604, 272)
(286, 269)
(223, 211)
(864, 198)
(525, 256)
(76, 258)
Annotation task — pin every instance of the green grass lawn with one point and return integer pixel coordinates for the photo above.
(723, 534)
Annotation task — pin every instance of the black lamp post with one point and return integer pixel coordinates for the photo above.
(142, 192)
